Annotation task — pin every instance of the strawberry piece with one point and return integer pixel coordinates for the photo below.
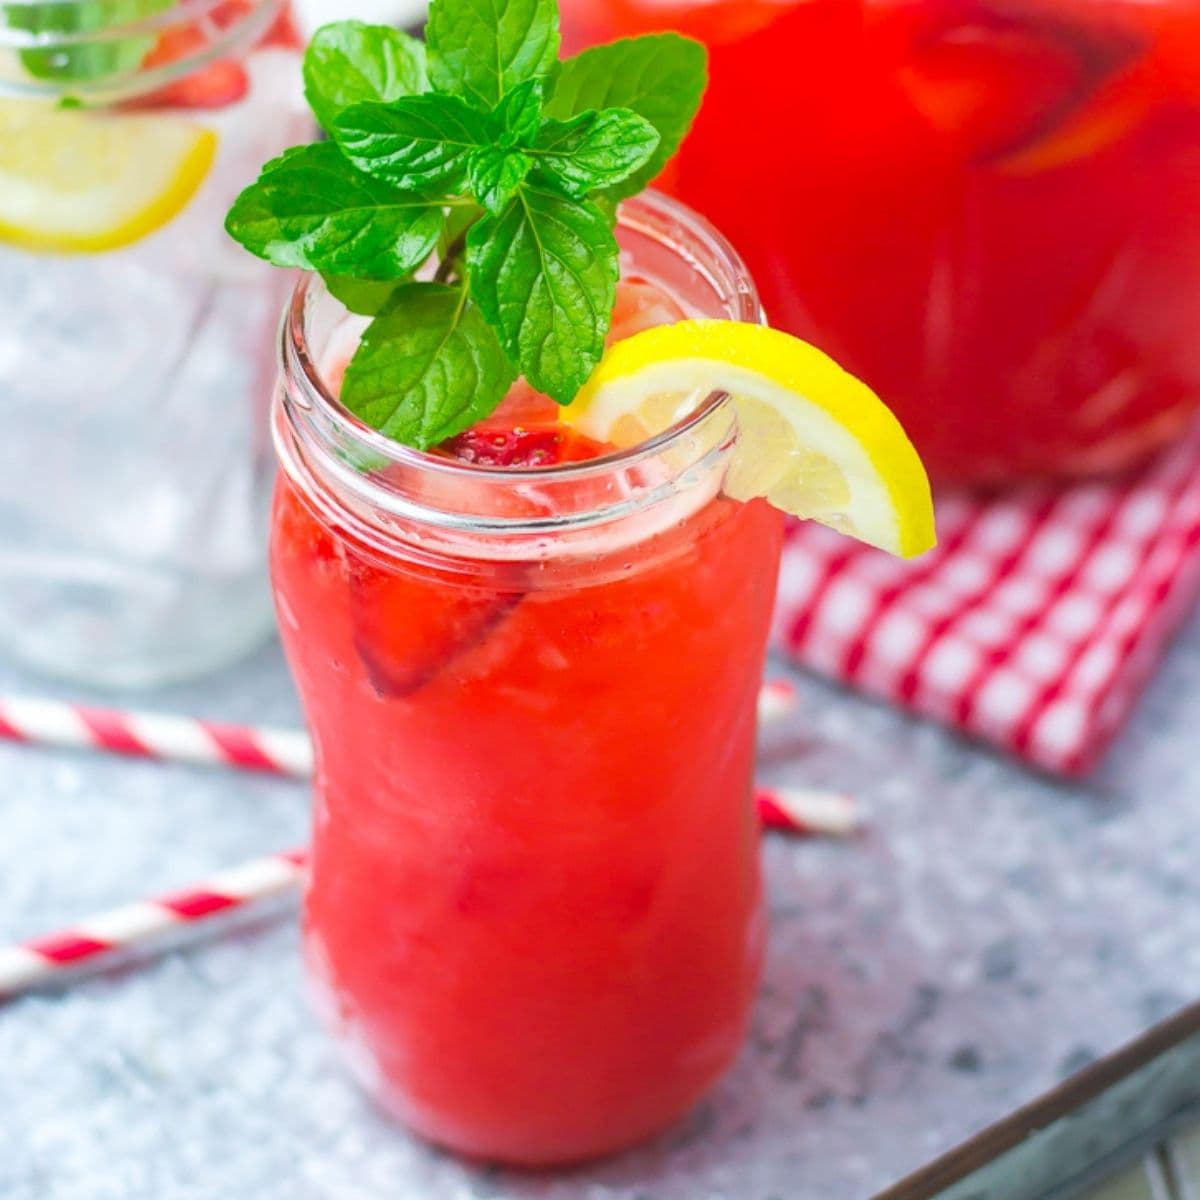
(282, 32)
(215, 86)
(539, 446)
(994, 86)
(408, 630)
(1113, 112)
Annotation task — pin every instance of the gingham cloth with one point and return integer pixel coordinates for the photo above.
(1034, 625)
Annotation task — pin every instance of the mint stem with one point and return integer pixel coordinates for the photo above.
(450, 268)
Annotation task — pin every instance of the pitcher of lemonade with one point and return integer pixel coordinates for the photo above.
(987, 209)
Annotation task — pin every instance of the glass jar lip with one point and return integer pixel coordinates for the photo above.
(219, 42)
(15, 38)
(638, 214)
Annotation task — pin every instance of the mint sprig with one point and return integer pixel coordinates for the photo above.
(312, 209)
(350, 62)
(467, 200)
(660, 76)
(425, 334)
(544, 274)
(481, 49)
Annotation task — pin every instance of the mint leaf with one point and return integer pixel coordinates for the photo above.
(661, 77)
(498, 170)
(348, 62)
(519, 114)
(496, 174)
(363, 296)
(544, 273)
(421, 143)
(310, 208)
(595, 150)
(88, 60)
(481, 49)
(428, 367)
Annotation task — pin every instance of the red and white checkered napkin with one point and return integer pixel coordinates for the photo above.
(1034, 625)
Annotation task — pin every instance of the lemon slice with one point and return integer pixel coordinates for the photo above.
(813, 440)
(73, 181)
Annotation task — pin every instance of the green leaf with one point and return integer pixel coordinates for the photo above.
(420, 143)
(594, 150)
(348, 62)
(428, 367)
(519, 114)
(496, 174)
(661, 77)
(89, 60)
(310, 208)
(481, 49)
(544, 273)
(363, 296)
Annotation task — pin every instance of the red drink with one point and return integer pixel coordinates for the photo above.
(987, 209)
(535, 911)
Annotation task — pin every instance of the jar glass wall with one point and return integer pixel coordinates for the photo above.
(535, 916)
(984, 208)
(135, 361)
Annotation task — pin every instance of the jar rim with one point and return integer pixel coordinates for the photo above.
(643, 214)
(218, 42)
(390, 495)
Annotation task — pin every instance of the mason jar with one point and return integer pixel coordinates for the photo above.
(535, 916)
(986, 209)
(135, 338)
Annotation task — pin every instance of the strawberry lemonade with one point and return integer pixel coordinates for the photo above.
(536, 908)
(536, 448)
(529, 663)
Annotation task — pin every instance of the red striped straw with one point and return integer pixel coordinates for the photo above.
(148, 924)
(112, 935)
(37, 721)
(41, 722)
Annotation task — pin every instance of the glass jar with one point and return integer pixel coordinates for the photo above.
(136, 361)
(984, 208)
(535, 917)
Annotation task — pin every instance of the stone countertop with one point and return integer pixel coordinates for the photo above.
(992, 932)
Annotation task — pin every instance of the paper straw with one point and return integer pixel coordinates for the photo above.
(111, 936)
(807, 811)
(38, 721)
(154, 735)
(107, 936)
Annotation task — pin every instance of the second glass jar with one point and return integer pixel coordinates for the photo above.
(135, 346)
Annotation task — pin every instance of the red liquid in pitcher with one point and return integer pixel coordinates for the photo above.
(987, 209)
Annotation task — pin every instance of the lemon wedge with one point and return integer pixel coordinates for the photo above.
(812, 439)
(73, 181)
